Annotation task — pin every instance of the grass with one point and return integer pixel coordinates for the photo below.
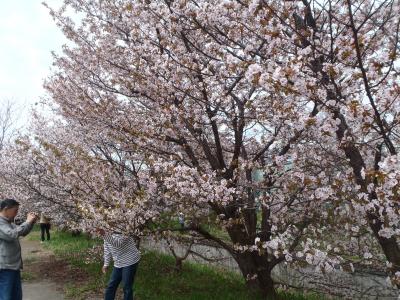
(156, 277)
(27, 276)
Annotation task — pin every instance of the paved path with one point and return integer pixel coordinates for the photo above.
(33, 286)
(41, 290)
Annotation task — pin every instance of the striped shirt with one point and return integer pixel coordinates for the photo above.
(121, 249)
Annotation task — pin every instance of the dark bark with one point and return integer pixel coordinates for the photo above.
(251, 264)
(256, 268)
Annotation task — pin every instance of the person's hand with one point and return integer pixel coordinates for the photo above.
(31, 218)
(104, 269)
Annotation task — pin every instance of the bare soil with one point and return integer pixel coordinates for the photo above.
(44, 276)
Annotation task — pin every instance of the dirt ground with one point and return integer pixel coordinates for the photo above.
(43, 275)
(37, 281)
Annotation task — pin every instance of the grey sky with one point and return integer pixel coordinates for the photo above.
(28, 34)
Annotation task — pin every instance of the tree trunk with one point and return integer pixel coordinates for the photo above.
(389, 246)
(256, 267)
(178, 264)
(257, 272)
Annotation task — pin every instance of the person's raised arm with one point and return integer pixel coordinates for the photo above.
(9, 234)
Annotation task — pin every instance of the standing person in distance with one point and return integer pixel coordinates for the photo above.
(181, 219)
(10, 249)
(122, 250)
(44, 223)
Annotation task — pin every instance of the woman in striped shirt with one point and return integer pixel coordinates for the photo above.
(122, 250)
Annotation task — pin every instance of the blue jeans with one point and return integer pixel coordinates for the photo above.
(10, 285)
(126, 275)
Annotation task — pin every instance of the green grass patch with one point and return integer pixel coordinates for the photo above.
(27, 276)
(156, 278)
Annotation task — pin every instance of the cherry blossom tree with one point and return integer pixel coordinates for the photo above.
(179, 82)
(347, 52)
(59, 169)
(272, 120)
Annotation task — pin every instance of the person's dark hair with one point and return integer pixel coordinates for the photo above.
(8, 203)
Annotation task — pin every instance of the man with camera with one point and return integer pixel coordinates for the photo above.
(10, 249)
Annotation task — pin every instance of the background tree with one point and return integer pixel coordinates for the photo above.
(69, 174)
(8, 130)
(8, 120)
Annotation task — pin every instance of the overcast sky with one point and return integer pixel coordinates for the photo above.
(28, 34)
